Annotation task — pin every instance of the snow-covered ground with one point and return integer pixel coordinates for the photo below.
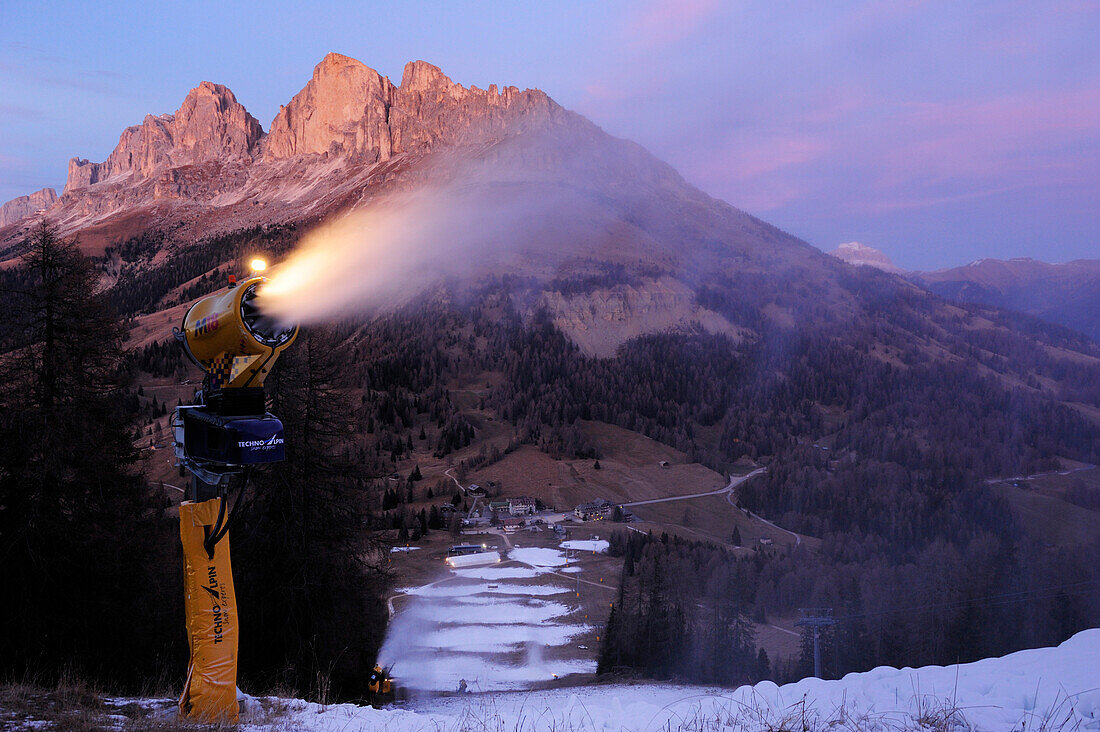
(596, 546)
(473, 626)
(1040, 689)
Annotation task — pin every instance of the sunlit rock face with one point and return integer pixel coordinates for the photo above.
(349, 109)
(210, 125)
(342, 110)
(20, 208)
(429, 108)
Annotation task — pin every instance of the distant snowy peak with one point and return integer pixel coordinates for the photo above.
(858, 254)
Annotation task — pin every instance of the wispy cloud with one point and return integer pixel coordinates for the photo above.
(36, 66)
(663, 22)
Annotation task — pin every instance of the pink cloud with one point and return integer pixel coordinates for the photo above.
(759, 174)
(662, 22)
(750, 159)
(1035, 136)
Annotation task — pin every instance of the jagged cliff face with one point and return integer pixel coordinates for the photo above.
(210, 125)
(210, 167)
(20, 208)
(351, 137)
(343, 109)
(350, 109)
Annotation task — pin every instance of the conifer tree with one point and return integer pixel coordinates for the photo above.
(81, 537)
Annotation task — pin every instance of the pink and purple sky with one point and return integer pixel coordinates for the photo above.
(938, 132)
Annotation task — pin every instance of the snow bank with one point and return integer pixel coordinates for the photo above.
(473, 560)
(499, 573)
(1045, 688)
(538, 556)
(596, 545)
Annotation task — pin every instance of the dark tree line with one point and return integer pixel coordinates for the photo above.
(684, 608)
(681, 613)
(84, 546)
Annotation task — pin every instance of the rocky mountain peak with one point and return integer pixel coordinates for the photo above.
(210, 125)
(423, 76)
(347, 117)
(342, 109)
(348, 108)
(20, 208)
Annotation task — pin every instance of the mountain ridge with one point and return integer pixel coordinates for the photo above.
(343, 123)
(350, 138)
(1066, 293)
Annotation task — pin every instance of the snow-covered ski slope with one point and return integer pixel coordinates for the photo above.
(1038, 689)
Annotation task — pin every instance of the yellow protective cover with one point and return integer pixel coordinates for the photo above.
(210, 692)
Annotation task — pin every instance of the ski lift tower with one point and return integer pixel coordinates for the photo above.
(816, 618)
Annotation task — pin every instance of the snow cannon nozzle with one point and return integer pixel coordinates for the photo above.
(233, 339)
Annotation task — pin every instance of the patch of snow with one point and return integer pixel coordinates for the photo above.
(473, 560)
(395, 549)
(465, 590)
(1044, 688)
(495, 638)
(492, 611)
(499, 573)
(538, 556)
(584, 545)
(480, 677)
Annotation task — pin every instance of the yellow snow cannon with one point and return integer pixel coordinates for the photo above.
(232, 339)
(218, 440)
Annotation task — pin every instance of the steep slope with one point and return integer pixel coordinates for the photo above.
(351, 138)
(1067, 294)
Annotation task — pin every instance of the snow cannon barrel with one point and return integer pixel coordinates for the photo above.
(230, 337)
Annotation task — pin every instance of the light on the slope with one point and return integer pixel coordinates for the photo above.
(258, 265)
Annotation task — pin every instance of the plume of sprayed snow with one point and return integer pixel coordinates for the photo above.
(400, 244)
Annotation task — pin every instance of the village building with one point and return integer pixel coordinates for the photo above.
(512, 523)
(521, 506)
(594, 510)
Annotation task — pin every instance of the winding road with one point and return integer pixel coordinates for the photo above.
(734, 482)
(728, 492)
